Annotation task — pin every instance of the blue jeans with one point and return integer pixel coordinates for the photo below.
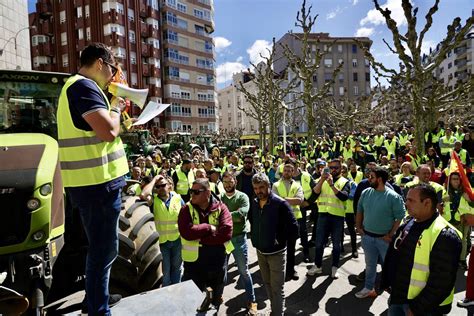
(375, 248)
(240, 254)
(99, 211)
(328, 225)
(172, 262)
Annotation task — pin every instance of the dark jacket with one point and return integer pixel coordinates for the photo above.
(203, 231)
(239, 176)
(273, 225)
(444, 260)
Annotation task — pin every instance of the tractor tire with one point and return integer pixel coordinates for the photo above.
(138, 266)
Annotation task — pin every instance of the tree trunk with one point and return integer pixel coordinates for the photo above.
(308, 88)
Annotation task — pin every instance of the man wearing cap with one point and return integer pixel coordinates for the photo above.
(183, 177)
(292, 192)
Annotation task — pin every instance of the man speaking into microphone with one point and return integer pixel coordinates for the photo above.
(93, 164)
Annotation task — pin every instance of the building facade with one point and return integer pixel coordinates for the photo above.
(232, 104)
(352, 82)
(14, 40)
(136, 31)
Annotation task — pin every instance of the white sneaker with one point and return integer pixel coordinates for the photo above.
(314, 270)
(366, 293)
(334, 273)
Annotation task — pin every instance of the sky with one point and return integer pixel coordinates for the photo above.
(245, 28)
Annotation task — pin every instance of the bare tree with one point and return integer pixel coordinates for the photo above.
(422, 92)
(305, 66)
(266, 103)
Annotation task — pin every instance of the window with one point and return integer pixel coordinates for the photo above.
(65, 60)
(199, 29)
(328, 62)
(199, 14)
(367, 76)
(356, 90)
(339, 48)
(80, 34)
(341, 90)
(185, 95)
(210, 80)
(176, 125)
(88, 33)
(315, 78)
(134, 79)
(183, 41)
(354, 48)
(131, 15)
(331, 91)
(208, 46)
(367, 62)
(450, 65)
(87, 10)
(173, 71)
(171, 18)
(171, 37)
(62, 17)
(181, 7)
(131, 36)
(171, 3)
(63, 38)
(172, 54)
(133, 58)
(79, 12)
(354, 62)
(327, 77)
(183, 24)
(355, 76)
(341, 77)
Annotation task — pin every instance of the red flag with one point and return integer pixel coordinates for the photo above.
(456, 166)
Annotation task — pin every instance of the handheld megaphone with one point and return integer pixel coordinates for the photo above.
(138, 96)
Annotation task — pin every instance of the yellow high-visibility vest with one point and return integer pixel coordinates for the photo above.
(292, 193)
(190, 248)
(184, 181)
(421, 263)
(86, 159)
(166, 219)
(328, 201)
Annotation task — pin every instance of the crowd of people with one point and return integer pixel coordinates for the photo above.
(376, 186)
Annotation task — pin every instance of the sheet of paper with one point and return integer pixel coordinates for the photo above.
(152, 109)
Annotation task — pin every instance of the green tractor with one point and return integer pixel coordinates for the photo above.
(178, 140)
(207, 142)
(42, 243)
(138, 143)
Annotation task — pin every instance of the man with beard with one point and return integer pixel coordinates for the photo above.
(379, 213)
(272, 224)
(238, 204)
(205, 226)
(244, 177)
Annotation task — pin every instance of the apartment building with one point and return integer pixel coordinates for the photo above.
(189, 65)
(352, 82)
(147, 43)
(14, 41)
(232, 102)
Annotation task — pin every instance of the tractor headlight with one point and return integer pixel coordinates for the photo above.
(38, 236)
(46, 189)
(33, 204)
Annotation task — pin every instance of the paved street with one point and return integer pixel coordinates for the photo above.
(319, 295)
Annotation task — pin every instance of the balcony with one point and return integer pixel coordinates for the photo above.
(153, 91)
(46, 27)
(146, 50)
(143, 9)
(144, 29)
(114, 39)
(152, 31)
(146, 70)
(44, 8)
(154, 52)
(113, 17)
(44, 49)
(153, 13)
(154, 71)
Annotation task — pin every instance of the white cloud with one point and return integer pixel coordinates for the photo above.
(225, 71)
(375, 17)
(354, 2)
(333, 14)
(426, 45)
(364, 32)
(220, 43)
(262, 47)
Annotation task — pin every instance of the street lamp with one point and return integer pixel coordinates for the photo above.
(14, 39)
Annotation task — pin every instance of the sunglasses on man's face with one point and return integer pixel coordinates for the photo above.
(113, 68)
(160, 186)
(196, 191)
